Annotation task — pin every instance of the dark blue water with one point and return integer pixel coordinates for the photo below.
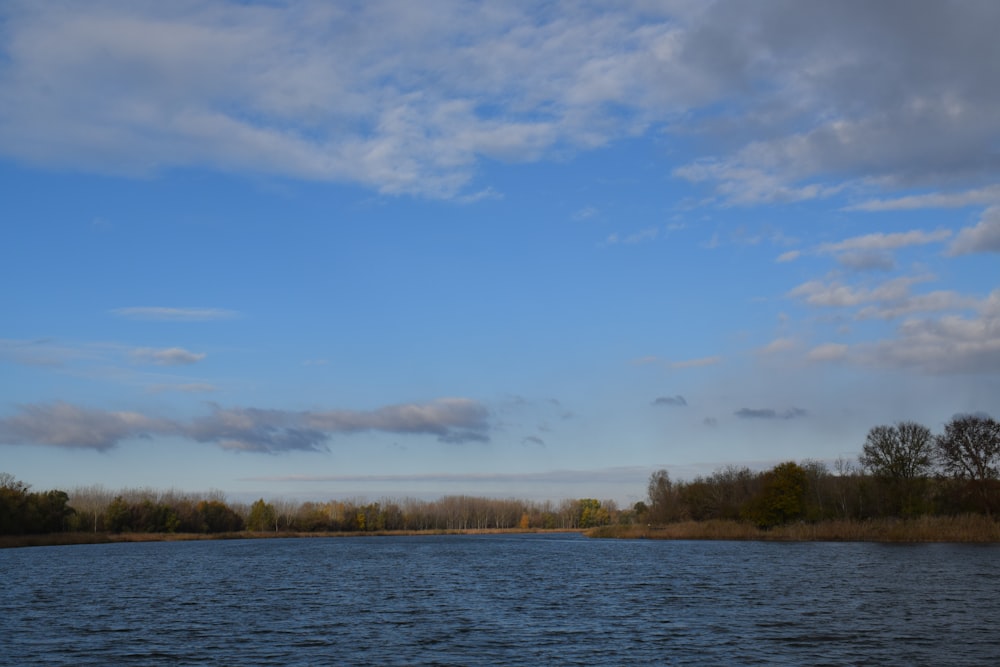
(499, 600)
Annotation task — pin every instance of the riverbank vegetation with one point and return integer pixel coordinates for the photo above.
(907, 485)
(131, 514)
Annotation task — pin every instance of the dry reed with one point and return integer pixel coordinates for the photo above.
(970, 528)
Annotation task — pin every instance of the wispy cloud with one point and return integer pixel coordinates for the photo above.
(186, 388)
(165, 314)
(881, 241)
(770, 413)
(452, 420)
(828, 352)
(887, 300)
(838, 295)
(789, 256)
(641, 236)
(602, 475)
(777, 345)
(870, 251)
(40, 352)
(975, 197)
(647, 360)
(170, 356)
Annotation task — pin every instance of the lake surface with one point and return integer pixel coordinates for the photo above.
(499, 600)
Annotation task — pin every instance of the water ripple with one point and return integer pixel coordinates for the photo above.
(487, 600)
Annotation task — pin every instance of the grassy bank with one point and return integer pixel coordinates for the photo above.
(978, 529)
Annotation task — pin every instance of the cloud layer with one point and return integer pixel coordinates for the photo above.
(404, 98)
(452, 420)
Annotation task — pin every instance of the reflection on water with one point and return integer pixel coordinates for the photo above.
(499, 599)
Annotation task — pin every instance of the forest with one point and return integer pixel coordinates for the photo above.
(904, 471)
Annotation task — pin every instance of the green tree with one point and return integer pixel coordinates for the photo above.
(13, 499)
(47, 512)
(217, 517)
(118, 516)
(592, 513)
(781, 498)
(262, 517)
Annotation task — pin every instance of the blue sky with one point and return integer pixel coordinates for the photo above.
(506, 249)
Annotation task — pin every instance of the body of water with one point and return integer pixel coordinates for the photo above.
(499, 600)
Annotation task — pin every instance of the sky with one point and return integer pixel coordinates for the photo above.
(520, 249)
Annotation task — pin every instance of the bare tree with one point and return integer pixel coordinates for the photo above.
(969, 449)
(900, 458)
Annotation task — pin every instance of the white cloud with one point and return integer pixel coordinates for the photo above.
(828, 352)
(778, 345)
(789, 256)
(741, 182)
(175, 314)
(880, 241)
(976, 197)
(452, 420)
(408, 98)
(983, 237)
(770, 413)
(697, 363)
(170, 356)
(949, 344)
(648, 234)
(871, 251)
(400, 98)
(866, 261)
(936, 301)
(838, 295)
(66, 425)
(187, 388)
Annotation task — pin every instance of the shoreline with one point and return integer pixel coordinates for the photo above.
(971, 529)
(69, 539)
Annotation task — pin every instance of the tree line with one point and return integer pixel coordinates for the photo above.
(903, 471)
(94, 509)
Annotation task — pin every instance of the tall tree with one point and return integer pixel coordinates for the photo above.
(13, 500)
(262, 516)
(969, 449)
(664, 504)
(781, 498)
(900, 458)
